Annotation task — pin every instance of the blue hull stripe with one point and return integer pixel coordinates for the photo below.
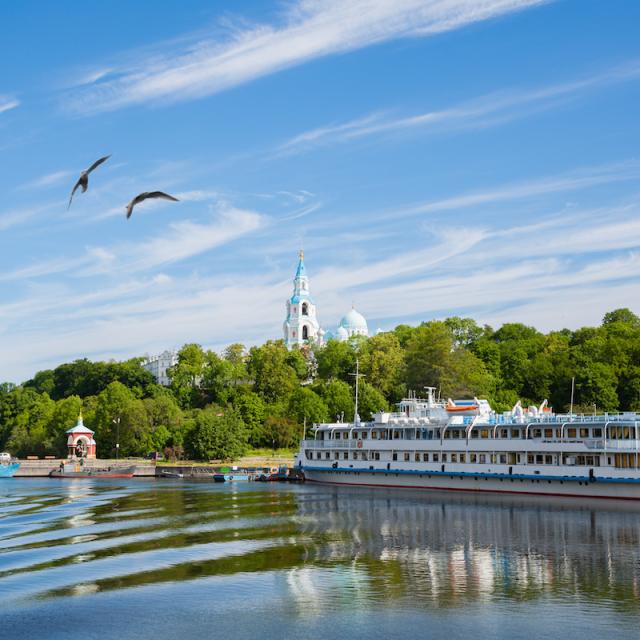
(463, 474)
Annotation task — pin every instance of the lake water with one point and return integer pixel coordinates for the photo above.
(82, 559)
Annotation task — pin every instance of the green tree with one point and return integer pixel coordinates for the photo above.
(252, 409)
(218, 434)
(63, 417)
(306, 404)
(370, 401)
(270, 366)
(337, 395)
(336, 360)
(383, 362)
(187, 375)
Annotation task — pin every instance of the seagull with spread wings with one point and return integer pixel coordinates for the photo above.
(83, 180)
(144, 196)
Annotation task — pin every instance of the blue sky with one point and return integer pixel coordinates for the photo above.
(467, 157)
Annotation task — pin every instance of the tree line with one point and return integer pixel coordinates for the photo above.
(219, 405)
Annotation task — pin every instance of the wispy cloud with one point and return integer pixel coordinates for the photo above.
(308, 30)
(48, 180)
(574, 181)
(186, 239)
(489, 110)
(7, 103)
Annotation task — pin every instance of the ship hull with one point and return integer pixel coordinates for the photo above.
(8, 470)
(124, 472)
(578, 487)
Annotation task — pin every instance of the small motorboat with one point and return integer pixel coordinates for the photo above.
(231, 477)
(77, 470)
(8, 465)
(170, 474)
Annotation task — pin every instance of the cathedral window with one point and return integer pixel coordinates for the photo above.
(305, 332)
(305, 309)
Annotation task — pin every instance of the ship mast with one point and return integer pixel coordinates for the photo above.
(357, 375)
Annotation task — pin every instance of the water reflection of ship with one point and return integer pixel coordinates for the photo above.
(453, 550)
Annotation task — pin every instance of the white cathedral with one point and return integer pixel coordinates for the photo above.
(302, 326)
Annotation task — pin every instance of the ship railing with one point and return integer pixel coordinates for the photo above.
(621, 445)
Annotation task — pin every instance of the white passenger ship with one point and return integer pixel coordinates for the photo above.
(465, 446)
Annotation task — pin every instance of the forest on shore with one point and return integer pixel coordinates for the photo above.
(221, 404)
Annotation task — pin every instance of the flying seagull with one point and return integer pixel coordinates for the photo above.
(147, 194)
(83, 180)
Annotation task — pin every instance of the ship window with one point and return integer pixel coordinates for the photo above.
(425, 457)
(539, 458)
(473, 458)
(474, 434)
(444, 457)
(327, 455)
(530, 458)
(484, 433)
(345, 455)
(571, 434)
(482, 458)
(493, 458)
(417, 457)
(395, 456)
(455, 434)
(597, 433)
(548, 459)
(503, 458)
(364, 435)
(447, 435)
(504, 433)
(548, 433)
(515, 433)
(537, 433)
(462, 457)
(336, 455)
(584, 433)
(454, 457)
(355, 455)
(435, 457)
(406, 457)
(318, 455)
(374, 435)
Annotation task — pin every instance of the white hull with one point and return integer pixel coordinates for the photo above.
(579, 488)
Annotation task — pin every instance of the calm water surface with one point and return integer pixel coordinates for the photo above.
(155, 558)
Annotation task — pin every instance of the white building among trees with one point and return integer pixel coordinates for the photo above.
(157, 366)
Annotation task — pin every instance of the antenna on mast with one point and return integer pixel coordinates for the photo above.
(357, 375)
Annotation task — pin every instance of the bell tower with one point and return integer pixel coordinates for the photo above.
(301, 325)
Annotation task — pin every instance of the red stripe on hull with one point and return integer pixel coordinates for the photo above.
(430, 488)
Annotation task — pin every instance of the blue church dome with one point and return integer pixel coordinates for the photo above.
(355, 323)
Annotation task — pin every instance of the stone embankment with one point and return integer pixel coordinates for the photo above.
(42, 468)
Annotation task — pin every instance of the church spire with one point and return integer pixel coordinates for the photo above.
(301, 324)
(301, 272)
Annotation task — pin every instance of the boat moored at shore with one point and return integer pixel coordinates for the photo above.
(526, 450)
(8, 465)
(76, 470)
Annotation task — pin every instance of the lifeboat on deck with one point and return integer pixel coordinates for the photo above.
(462, 407)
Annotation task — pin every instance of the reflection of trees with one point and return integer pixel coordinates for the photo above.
(453, 550)
(337, 548)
